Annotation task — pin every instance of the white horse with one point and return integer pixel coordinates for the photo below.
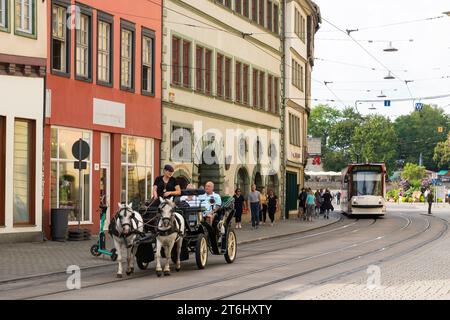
(126, 224)
(170, 230)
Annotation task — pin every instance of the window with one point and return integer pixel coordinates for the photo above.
(83, 47)
(300, 25)
(245, 84)
(127, 56)
(245, 8)
(176, 61)
(104, 48)
(228, 78)
(137, 170)
(4, 15)
(219, 82)
(269, 15)
(275, 19)
(181, 144)
(294, 130)
(25, 17)
(203, 69)
(24, 172)
(65, 178)
(255, 10)
(261, 90)
(276, 96)
(148, 49)
(2, 168)
(261, 12)
(255, 87)
(181, 62)
(238, 78)
(297, 75)
(237, 6)
(60, 40)
(242, 94)
(186, 64)
(270, 92)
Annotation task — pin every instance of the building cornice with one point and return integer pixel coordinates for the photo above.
(14, 65)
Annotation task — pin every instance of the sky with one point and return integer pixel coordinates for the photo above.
(425, 60)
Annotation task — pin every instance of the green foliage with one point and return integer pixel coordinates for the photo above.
(414, 174)
(442, 154)
(321, 120)
(374, 141)
(439, 200)
(418, 134)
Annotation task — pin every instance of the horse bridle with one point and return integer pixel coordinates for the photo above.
(172, 229)
(133, 217)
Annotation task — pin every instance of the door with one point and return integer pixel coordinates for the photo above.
(105, 175)
(291, 192)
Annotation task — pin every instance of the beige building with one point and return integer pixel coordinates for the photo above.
(23, 52)
(222, 92)
(302, 22)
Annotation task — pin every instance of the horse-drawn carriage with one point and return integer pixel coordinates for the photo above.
(199, 237)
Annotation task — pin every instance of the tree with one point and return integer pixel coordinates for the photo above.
(413, 172)
(442, 154)
(418, 134)
(375, 141)
(321, 120)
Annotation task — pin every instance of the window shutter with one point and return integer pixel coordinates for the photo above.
(175, 61)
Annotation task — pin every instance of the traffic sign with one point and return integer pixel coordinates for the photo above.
(80, 150)
(419, 106)
(387, 103)
(77, 165)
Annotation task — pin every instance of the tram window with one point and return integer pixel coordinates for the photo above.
(367, 183)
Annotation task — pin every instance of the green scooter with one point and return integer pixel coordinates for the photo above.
(100, 247)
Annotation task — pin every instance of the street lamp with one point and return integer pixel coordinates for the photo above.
(389, 76)
(390, 48)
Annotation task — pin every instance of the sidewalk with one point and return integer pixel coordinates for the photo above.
(24, 260)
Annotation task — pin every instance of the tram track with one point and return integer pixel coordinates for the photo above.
(346, 228)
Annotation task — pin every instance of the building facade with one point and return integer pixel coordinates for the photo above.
(23, 52)
(103, 86)
(221, 93)
(301, 24)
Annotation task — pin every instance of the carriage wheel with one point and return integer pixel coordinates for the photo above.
(201, 251)
(230, 255)
(142, 265)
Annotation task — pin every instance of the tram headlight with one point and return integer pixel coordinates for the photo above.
(380, 201)
(354, 202)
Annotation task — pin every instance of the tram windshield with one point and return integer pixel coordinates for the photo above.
(367, 183)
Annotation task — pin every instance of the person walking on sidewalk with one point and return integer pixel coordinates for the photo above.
(302, 204)
(327, 205)
(430, 198)
(254, 199)
(273, 206)
(311, 203)
(239, 206)
(263, 213)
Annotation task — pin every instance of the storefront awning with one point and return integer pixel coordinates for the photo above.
(323, 173)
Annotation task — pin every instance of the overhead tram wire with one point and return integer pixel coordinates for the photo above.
(370, 54)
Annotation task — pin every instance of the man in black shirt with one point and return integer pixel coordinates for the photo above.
(165, 186)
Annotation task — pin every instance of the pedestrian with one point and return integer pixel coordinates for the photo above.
(239, 206)
(338, 197)
(272, 206)
(327, 205)
(318, 197)
(311, 203)
(254, 199)
(430, 198)
(191, 200)
(302, 204)
(263, 212)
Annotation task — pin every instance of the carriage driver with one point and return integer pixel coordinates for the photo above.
(165, 186)
(211, 201)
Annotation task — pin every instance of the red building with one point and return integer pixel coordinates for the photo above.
(103, 85)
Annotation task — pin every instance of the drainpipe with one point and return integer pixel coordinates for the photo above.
(161, 83)
(44, 238)
(284, 212)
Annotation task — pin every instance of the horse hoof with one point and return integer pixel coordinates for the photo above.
(119, 275)
(166, 273)
(159, 273)
(177, 269)
(129, 273)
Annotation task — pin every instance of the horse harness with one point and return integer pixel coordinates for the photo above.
(173, 228)
(114, 232)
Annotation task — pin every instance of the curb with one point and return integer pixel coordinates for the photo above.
(30, 277)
